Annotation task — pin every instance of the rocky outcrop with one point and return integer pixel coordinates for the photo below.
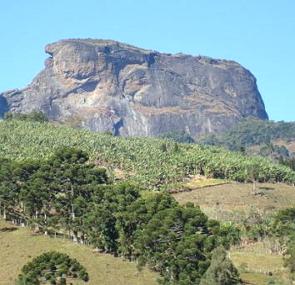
(105, 85)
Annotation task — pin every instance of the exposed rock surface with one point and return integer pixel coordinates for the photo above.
(105, 85)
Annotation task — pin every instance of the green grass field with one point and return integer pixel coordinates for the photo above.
(258, 266)
(21, 245)
(233, 202)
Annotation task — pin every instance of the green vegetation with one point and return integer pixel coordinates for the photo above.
(19, 245)
(274, 140)
(221, 270)
(64, 182)
(290, 162)
(252, 132)
(65, 195)
(33, 117)
(151, 163)
(283, 227)
(180, 137)
(266, 223)
(52, 267)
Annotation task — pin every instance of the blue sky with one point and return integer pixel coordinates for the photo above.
(259, 34)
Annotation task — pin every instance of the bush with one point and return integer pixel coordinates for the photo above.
(51, 266)
(221, 270)
(34, 116)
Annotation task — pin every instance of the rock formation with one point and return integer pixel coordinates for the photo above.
(104, 85)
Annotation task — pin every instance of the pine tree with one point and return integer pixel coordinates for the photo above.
(221, 270)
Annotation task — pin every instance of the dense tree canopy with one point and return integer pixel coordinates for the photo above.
(252, 132)
(257, 137)
(66, 195)
(52, 267)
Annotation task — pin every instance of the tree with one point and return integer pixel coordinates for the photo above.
(52, 266)
(180, 137)
(68, 195)
(221, 270)
(34, 116)
(176, 243)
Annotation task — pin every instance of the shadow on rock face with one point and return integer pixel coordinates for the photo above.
(3, 106)
(116, 127)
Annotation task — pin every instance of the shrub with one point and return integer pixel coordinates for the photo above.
(53, 266)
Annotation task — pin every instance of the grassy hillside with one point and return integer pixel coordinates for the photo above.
(153, 163)
(258, 266)
(20, 246)
(235, 203)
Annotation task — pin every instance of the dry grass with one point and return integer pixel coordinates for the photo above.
(199, 181)
(257, 265)
(233, 201)
(19, 246)
(255, 278)
(290, 145)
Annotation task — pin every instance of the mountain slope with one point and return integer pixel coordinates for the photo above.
(267, 138)
(154, 163)
(19, 245)
(104, 85)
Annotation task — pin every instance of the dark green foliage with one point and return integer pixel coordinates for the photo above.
(274, 151)
(252, 132)
(180, 137)
(284, 223)
(54, 267)
(283, 227)
(68, 195)
(289, 260)
(227, 233)
(257, 226)
(136, 216)
(70, 155)
(34, 116)
(262, 135)
(176, 242)
(290, 162)
(221, 270)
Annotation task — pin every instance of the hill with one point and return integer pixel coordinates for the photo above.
(19, 245)
(234, 203)
(266, 138)
(153, 163)
(104, 85)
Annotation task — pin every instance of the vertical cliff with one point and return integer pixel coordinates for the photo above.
(105, 85)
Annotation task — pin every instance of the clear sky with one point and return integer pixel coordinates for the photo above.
(259, 34)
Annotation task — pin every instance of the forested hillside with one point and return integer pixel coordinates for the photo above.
(151, 163)
(96, 189)
(253, 132)
(66, 196)
(275, 140)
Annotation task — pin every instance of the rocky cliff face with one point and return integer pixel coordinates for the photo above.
(109, 86)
